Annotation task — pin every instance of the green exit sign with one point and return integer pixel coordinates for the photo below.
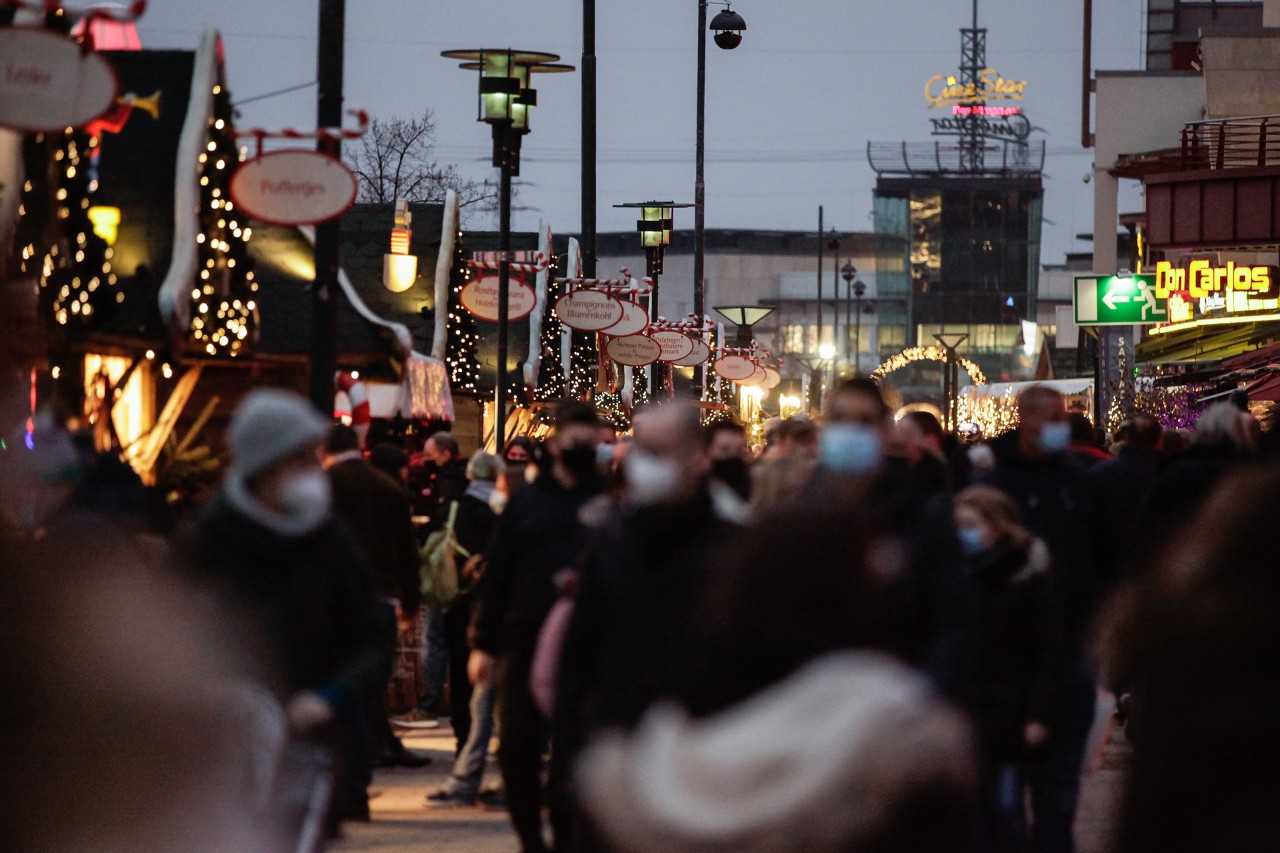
(1118, 301)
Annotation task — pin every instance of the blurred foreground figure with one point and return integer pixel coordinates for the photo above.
(1196, 639)
(123, 727)
(795, 729)
(275, 563)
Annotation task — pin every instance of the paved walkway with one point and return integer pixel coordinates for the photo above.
(402, 824)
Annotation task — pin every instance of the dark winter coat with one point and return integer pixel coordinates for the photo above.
(636, 610)
(306, 603)
(1053, 494)
(376, 508)
(538, 535)
(433, 487)
(1120, 488)
(1018, 645)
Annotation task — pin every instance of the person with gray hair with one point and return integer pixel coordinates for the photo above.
(472, 709)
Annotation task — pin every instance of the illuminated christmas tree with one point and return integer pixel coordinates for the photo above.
(224, 308)
(551, 384)
(55, 238)
(718, 390)
(462, 334)
(583, 364)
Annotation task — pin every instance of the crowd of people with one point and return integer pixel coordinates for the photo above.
(866, 634)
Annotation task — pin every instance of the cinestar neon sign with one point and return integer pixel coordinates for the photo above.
(943, 90)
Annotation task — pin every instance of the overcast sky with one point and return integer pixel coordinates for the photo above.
(789, 112)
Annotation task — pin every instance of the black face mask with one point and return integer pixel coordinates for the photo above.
(734, 473)
(579, 459)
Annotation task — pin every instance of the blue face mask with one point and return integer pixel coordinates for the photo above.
(1055, 437)
(849, 448)
(970, 540)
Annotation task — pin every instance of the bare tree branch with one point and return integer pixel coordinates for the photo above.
(394, 160)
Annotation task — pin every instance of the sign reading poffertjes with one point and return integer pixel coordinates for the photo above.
(588, 310)
(701, 355)
(48, 83)
(633, 350)
(675, 345)
(634, 320)
(480, 297)
(735, 368)
(295, 187)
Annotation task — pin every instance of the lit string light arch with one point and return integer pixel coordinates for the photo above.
(910, 355)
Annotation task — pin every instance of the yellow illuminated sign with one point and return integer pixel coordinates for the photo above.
(942, 90)
(1201, 279)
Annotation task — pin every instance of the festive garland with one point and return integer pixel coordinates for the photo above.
(911, 355)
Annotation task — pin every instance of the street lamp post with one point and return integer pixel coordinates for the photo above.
(833, 243)
(505, 101)
(854, 291)
(655, 226)
(951, 375)
(728, 26)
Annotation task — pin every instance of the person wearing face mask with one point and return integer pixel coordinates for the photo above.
(281, 569)
(537, 537)
(641, 581)
(929, 598)
(1018, 653)
(1050, 487)
(517, 456)
(730, 456)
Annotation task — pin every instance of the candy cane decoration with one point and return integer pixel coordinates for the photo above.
(358, 394)
(541, 260)
(261, 133)
(624, 285)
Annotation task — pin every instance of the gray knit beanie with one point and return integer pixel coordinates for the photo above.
(269, 425)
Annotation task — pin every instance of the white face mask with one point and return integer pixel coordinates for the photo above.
(650, 479)
(306, 497)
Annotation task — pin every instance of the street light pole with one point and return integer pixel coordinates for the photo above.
(506, 97)
(699, 178)
(324, 292)
(588, 212)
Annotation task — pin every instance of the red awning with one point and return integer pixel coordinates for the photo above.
(1266, 388)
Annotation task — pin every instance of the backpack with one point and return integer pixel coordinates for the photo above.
(438, 571)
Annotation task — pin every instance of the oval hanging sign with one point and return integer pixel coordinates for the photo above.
(735, 368)
(294, 187)
(48, 83)
(772, 379)
(633, 350)
(675, 345)
(480, 297)
(589, 310)
(756, 378)
(634, 320)
(700, 355)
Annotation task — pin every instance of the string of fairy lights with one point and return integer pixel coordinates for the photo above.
(71, 263)
(462, 333)
(551, 384)
(914, 354)
(224, 309)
